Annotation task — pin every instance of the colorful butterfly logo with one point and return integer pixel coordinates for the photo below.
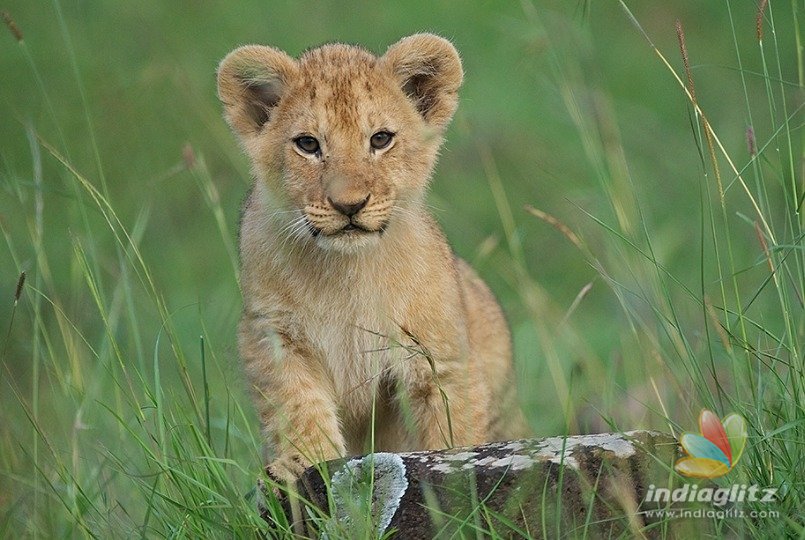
(716, 451)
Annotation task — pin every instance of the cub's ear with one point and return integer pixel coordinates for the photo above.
(428, 69)
(251, 81)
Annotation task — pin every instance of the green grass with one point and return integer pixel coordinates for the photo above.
(659, 270)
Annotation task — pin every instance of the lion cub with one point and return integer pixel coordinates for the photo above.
(360, 327)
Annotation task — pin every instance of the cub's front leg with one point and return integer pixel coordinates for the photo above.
(448, 412)
(293, 398)
(448, 405)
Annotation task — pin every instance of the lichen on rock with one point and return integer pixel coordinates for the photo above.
(379, 477)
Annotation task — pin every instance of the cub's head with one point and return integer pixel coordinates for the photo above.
(342, 142)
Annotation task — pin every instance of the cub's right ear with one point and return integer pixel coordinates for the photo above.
(251, 81)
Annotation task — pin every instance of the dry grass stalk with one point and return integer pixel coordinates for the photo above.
(12, 26)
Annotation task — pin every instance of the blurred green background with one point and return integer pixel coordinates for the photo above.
(564, 102)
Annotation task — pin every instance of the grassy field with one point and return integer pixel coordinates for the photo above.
(637, 210)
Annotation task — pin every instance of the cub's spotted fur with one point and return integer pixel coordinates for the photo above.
(354, 305)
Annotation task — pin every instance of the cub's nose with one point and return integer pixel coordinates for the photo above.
(349, 209)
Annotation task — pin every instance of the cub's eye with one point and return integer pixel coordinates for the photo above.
(307, 144)
(381, 139)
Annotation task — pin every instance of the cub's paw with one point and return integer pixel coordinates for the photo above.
(286, 470)
(279, 486)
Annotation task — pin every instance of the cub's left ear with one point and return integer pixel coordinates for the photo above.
(428, 69)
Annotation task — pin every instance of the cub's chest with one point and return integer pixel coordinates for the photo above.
(356, 339)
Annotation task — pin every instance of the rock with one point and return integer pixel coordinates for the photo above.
(587, 485)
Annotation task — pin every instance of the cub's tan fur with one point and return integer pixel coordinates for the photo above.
(378, 319)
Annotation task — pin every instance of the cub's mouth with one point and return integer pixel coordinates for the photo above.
(354, 227)
(350, 238)
(350, 229)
